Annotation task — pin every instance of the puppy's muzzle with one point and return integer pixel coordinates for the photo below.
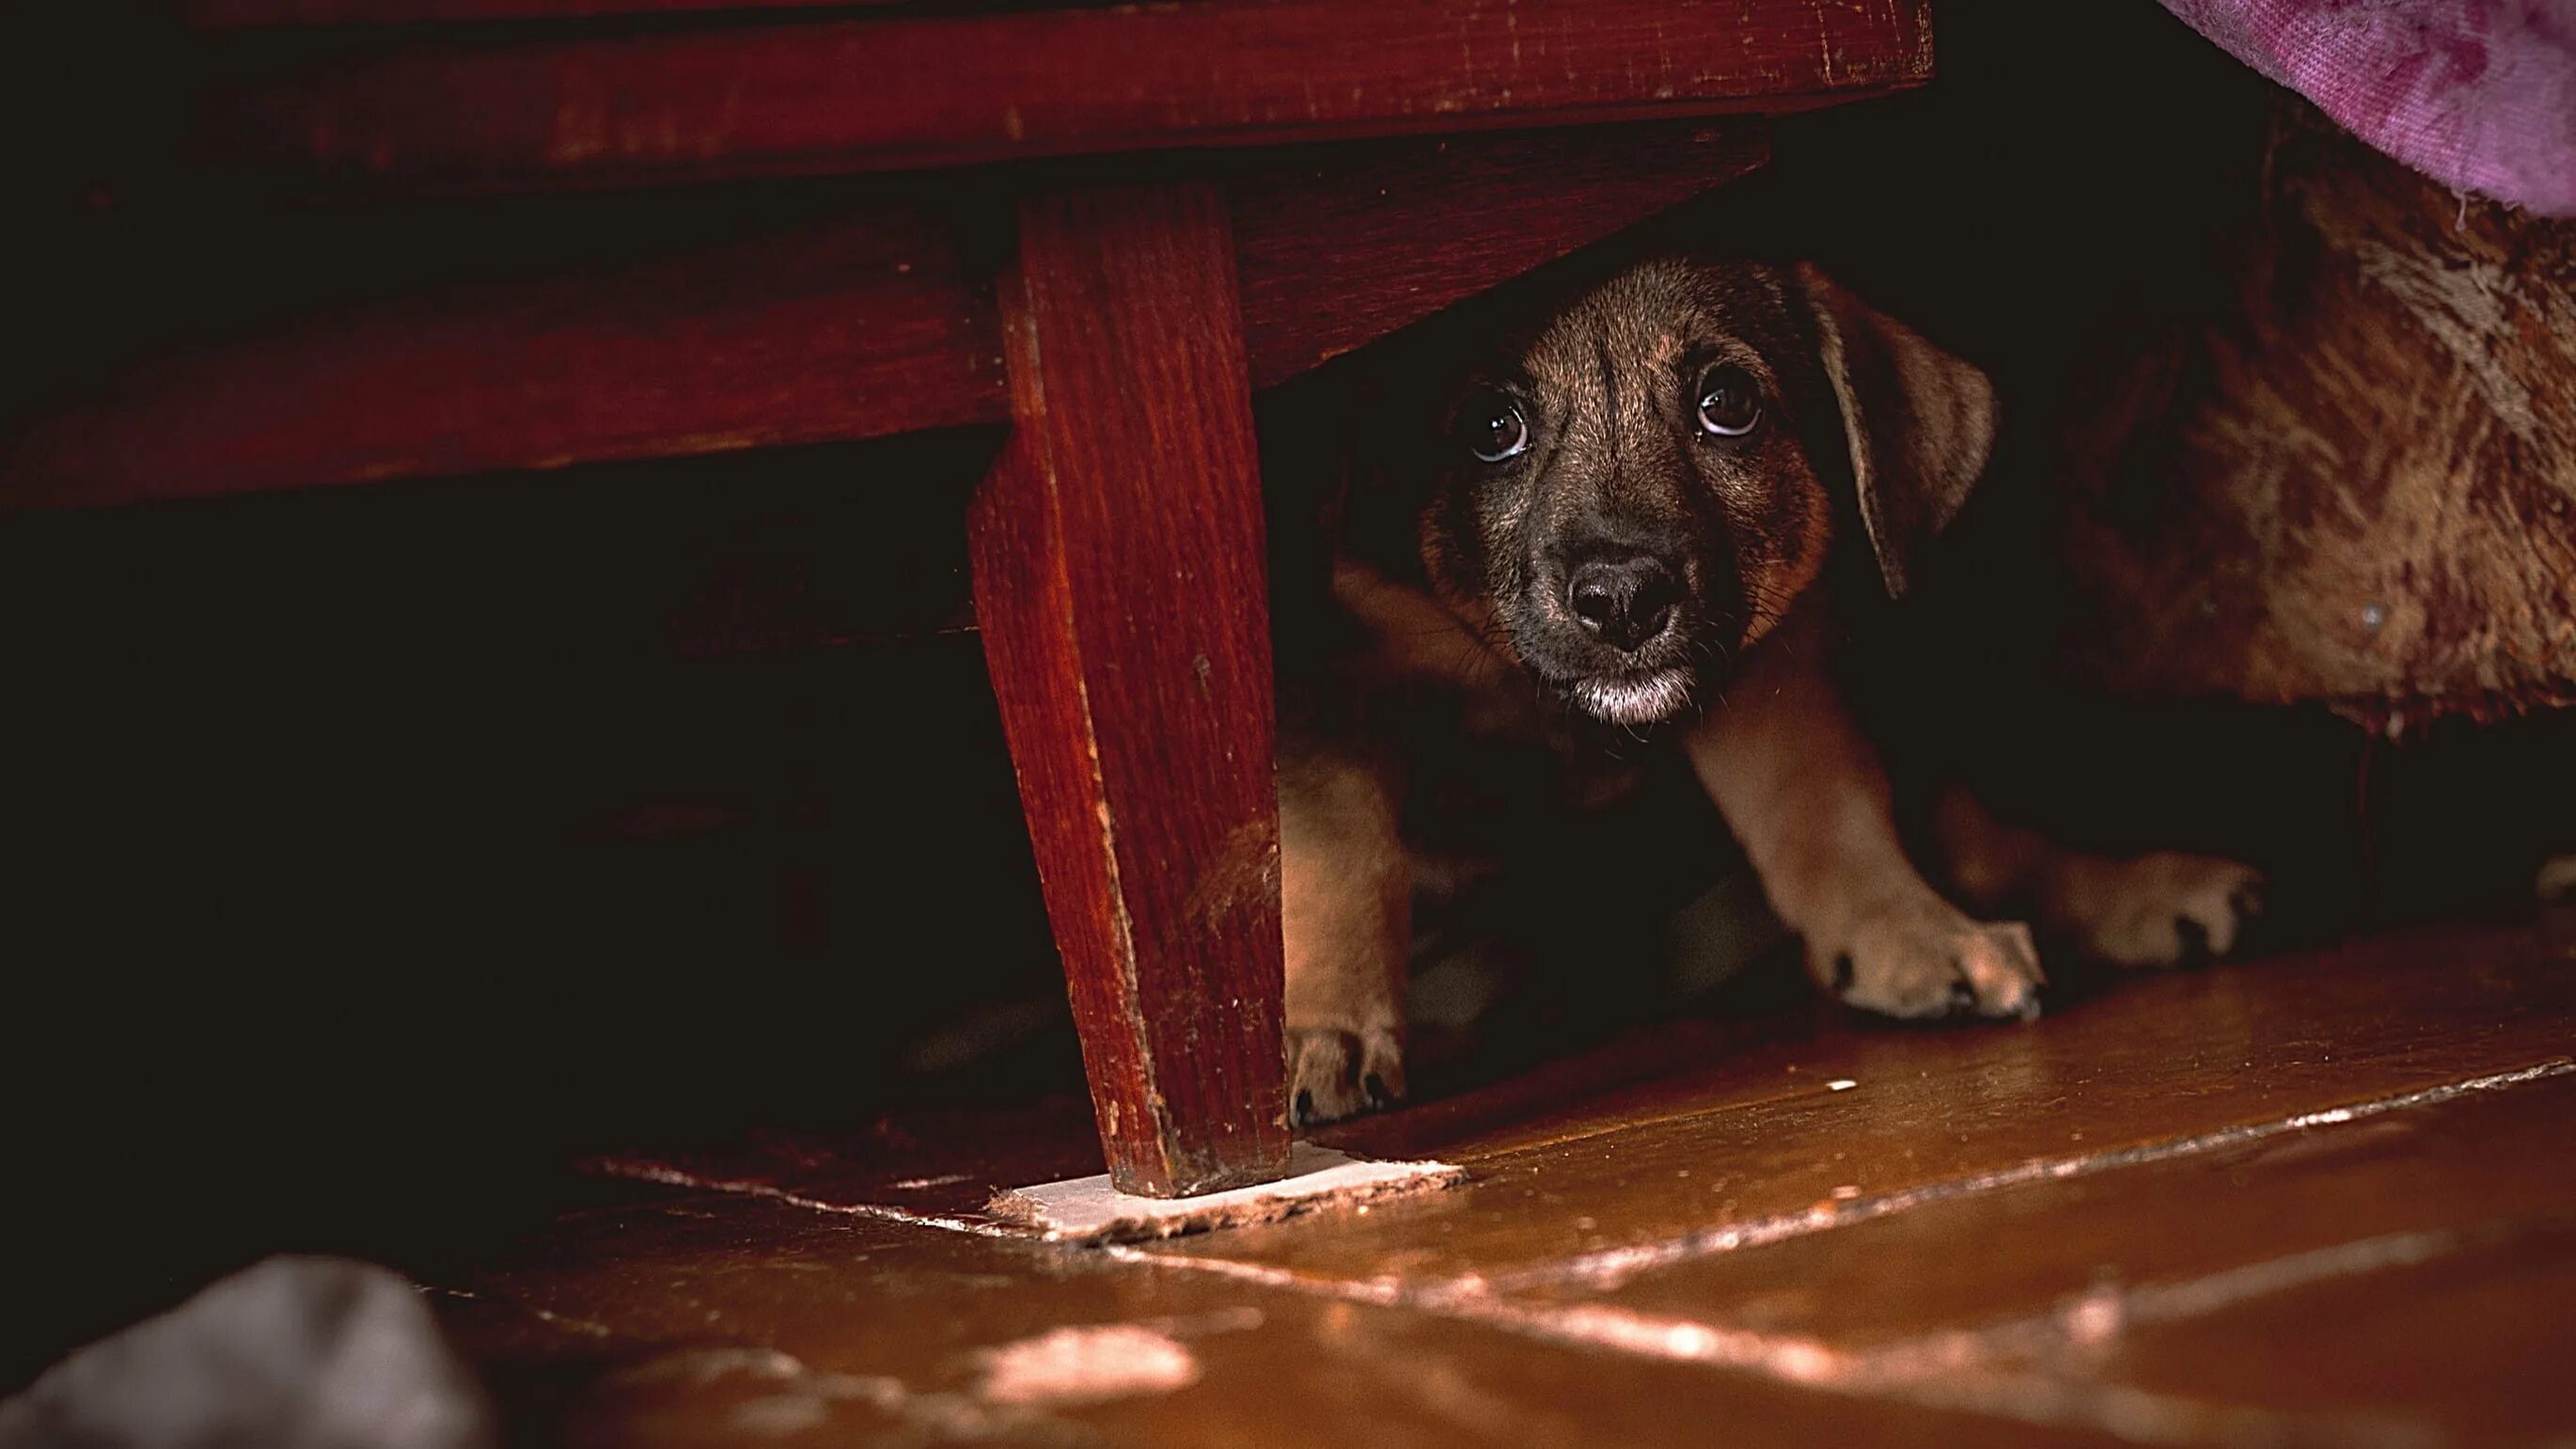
(1624, 602)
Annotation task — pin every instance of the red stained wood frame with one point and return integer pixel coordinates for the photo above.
(229, 14)
(862, 326)
(1347, 244)
(916, 90)
(1120, 578)
(858, 330)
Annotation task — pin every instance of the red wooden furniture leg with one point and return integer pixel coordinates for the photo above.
(1119, 579)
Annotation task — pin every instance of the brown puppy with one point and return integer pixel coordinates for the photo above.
(1654, 508)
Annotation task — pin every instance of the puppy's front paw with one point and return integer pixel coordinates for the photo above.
(1333, 1073)
(1922, 958)
(2162, 909)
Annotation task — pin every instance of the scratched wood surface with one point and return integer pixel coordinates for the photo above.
(1340, 245)
(2099, 1081)
(865, 322)
(228, 14)
(734, 1320)
(1120, 582)
(912, 90)
(2399, 1180)
(862, 327)
(2321, 1199)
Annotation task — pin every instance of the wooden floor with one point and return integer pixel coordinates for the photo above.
(2326, 1199)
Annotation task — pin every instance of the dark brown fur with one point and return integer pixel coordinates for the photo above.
(2357, 484)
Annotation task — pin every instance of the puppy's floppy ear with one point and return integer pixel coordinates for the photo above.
(1919, 421)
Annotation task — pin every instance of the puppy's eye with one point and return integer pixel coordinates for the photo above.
(1492, 427)
(1730, 401)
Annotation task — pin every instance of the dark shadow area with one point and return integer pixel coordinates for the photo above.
(380, 852)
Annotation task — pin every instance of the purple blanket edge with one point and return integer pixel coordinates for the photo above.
(2480, 95)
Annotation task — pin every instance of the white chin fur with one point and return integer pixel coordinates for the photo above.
(1644, 700)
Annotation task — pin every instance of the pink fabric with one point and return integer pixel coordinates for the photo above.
(2478, 94)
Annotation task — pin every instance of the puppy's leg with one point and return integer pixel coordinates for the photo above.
(2158, 909)
(1346, 910)
(1804, 791)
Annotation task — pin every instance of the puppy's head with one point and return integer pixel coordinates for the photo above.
(1635, 495)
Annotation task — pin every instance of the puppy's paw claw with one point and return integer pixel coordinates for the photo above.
(1924, 959)
(2162, 909)
(1335, 1073)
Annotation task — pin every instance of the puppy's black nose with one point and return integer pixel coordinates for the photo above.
(1623, 602)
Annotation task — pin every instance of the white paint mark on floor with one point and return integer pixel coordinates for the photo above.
(1086, 1365)
(1089, 1210)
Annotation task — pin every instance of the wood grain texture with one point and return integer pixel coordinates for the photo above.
(917, 90)
(232, 14)
(857, 326)
(838, 1302)
(862, 328)
(1750, 1136)
(1348, 244)
(2494, 1159)
(1120, 581)
(2321, 1199)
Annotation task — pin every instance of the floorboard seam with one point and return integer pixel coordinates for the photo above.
(2107, 1310)
(1610, 1266)
(1954, 1372)
(747, 1187)
(1933, 1374)
(1943, 1371)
